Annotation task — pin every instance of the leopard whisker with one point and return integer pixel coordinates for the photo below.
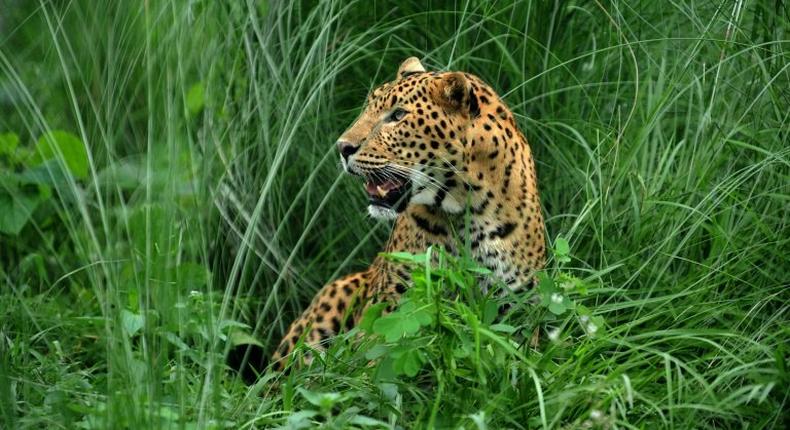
(427, 181)
(433, 167)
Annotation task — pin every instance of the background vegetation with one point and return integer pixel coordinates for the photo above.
(169, 194)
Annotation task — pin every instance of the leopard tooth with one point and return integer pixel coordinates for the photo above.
(382, 192)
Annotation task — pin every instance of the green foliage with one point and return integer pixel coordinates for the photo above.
(561, 250)
(63, 145)
(8, 144)
(440, 319)
(169, 191)
(447, 333)
(16, 208)
(196, 98)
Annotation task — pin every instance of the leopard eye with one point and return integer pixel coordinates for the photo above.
(396, 115)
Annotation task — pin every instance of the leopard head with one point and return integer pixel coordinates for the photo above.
(408, 142)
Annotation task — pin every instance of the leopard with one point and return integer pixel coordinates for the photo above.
(434, 150)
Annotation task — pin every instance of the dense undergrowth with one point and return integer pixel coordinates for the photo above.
(169, 193)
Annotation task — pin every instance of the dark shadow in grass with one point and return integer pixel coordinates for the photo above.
(249, 361)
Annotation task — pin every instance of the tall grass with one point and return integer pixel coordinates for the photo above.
(211, 209)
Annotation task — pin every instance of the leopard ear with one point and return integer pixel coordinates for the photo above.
(455, 93)
(409, 66)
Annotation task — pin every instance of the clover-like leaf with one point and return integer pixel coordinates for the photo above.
(423, 315)
(546, 284)
(411, 362)
(372, 314)
(395, 326)
(562, 250)
(557, 308)
(406, 361)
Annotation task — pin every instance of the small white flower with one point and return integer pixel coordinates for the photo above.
(195, 293)
(556, 298)
(554, 334)
(592, 328)
(583, 319)
(596, 415)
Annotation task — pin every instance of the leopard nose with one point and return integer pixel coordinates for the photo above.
(346, 149)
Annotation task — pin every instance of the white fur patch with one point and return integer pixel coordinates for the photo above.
(451, 205)
(424, 197)
(379, 212)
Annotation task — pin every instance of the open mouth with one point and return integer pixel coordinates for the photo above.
(392, 192)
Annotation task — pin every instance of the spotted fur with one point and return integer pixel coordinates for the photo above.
(461, 149)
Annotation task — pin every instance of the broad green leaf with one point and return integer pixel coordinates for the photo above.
(410, 326)
(175, 340)
(546, 283)
(49, 173)
(458, 280)
(394, 326)
(556, 308)
(490, 311)
(568, 303)
(480, 270)
(365, 421)
(409, 363)
(406, 306)
(372, 314)
(196, 98)
(503, 328)
(388, 326)
(131, 322)
(8, 143)
(325, 401)
(418, 279)
(423, 315)
(58, 144)
(385, 370)
(464, 349)
(561, 246)
(561, 250)
(16, 209)
(238, 337)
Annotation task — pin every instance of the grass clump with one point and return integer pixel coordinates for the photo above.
(169, 192)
